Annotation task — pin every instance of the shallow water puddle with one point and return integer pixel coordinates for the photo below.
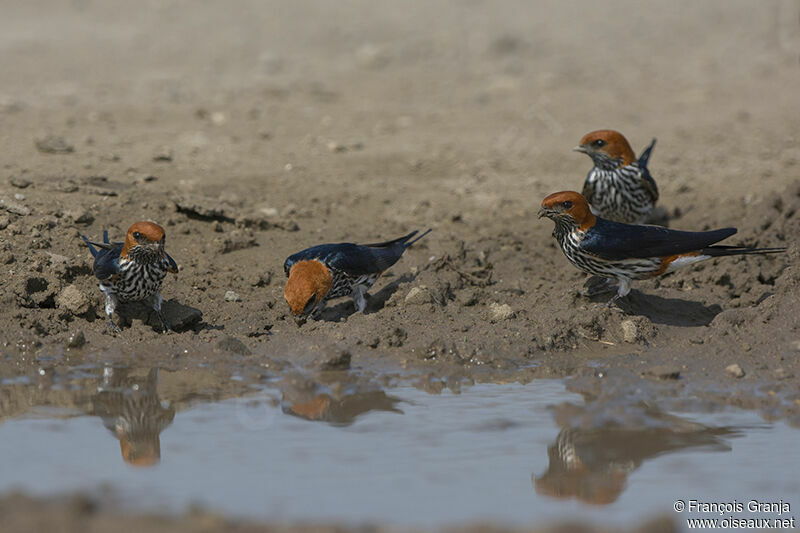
(349, 451)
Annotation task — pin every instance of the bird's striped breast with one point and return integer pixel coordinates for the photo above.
(618, 194)
(136, 281)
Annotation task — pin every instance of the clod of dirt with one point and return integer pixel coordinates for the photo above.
(79, 216)
(14, 208)
(203, 207)
(4, 222)
(36, 291)
(236, 240)
(500, 312)
(73, 300)
(54, 144)
(233, 345)
(419, 296)
(180, 317)
(19, 182)
(735, 370)
(232, 296)
(663, 372)
(339, 361)
(76, 339)
(262, 221)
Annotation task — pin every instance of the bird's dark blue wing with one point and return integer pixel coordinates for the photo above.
(613, 240)
(173, 266)
(353, 259)
(106, 262)
(647, 179)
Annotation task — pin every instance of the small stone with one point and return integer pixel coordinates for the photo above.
(218, 118)
(73, 300)
(19, 182)
(54, 144)
(630, 331)
(231, 296)
(735, 370)
(419, 296)
(163, 154)
(796, 346)
(4, 222)
(79, 216)
(336, 147)
(76, 339)
(19, 197)
(500, 311)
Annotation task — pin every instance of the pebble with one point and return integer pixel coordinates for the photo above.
(231, 296)
(735, 370)
(419, 296)
(630, 331)
(500, 311)
(54, 144)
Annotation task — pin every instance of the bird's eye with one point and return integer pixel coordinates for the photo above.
(599, 143)
(137, 235)
(567, 205)
(310, 304)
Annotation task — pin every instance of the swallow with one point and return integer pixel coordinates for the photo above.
(619, 187)
(628, 252)
(133, 270)
(327, 271)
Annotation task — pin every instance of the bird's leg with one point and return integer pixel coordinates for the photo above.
(359, 298)
(111, 305)
(622, 291)
(155, 302)
(598, 285)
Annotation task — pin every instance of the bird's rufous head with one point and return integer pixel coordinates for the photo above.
(309, 282)
(607, 148)
(145, 238)
(568, 206)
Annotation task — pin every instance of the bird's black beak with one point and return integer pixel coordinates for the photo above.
(544, 212)
(582, 149)
(300, 319)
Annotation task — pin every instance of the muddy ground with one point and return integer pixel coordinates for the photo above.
(253, 131)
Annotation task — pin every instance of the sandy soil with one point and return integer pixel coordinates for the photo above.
(253, 131)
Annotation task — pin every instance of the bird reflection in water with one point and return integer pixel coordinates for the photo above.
(593, 465)
(338, 403)
(130, 408)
